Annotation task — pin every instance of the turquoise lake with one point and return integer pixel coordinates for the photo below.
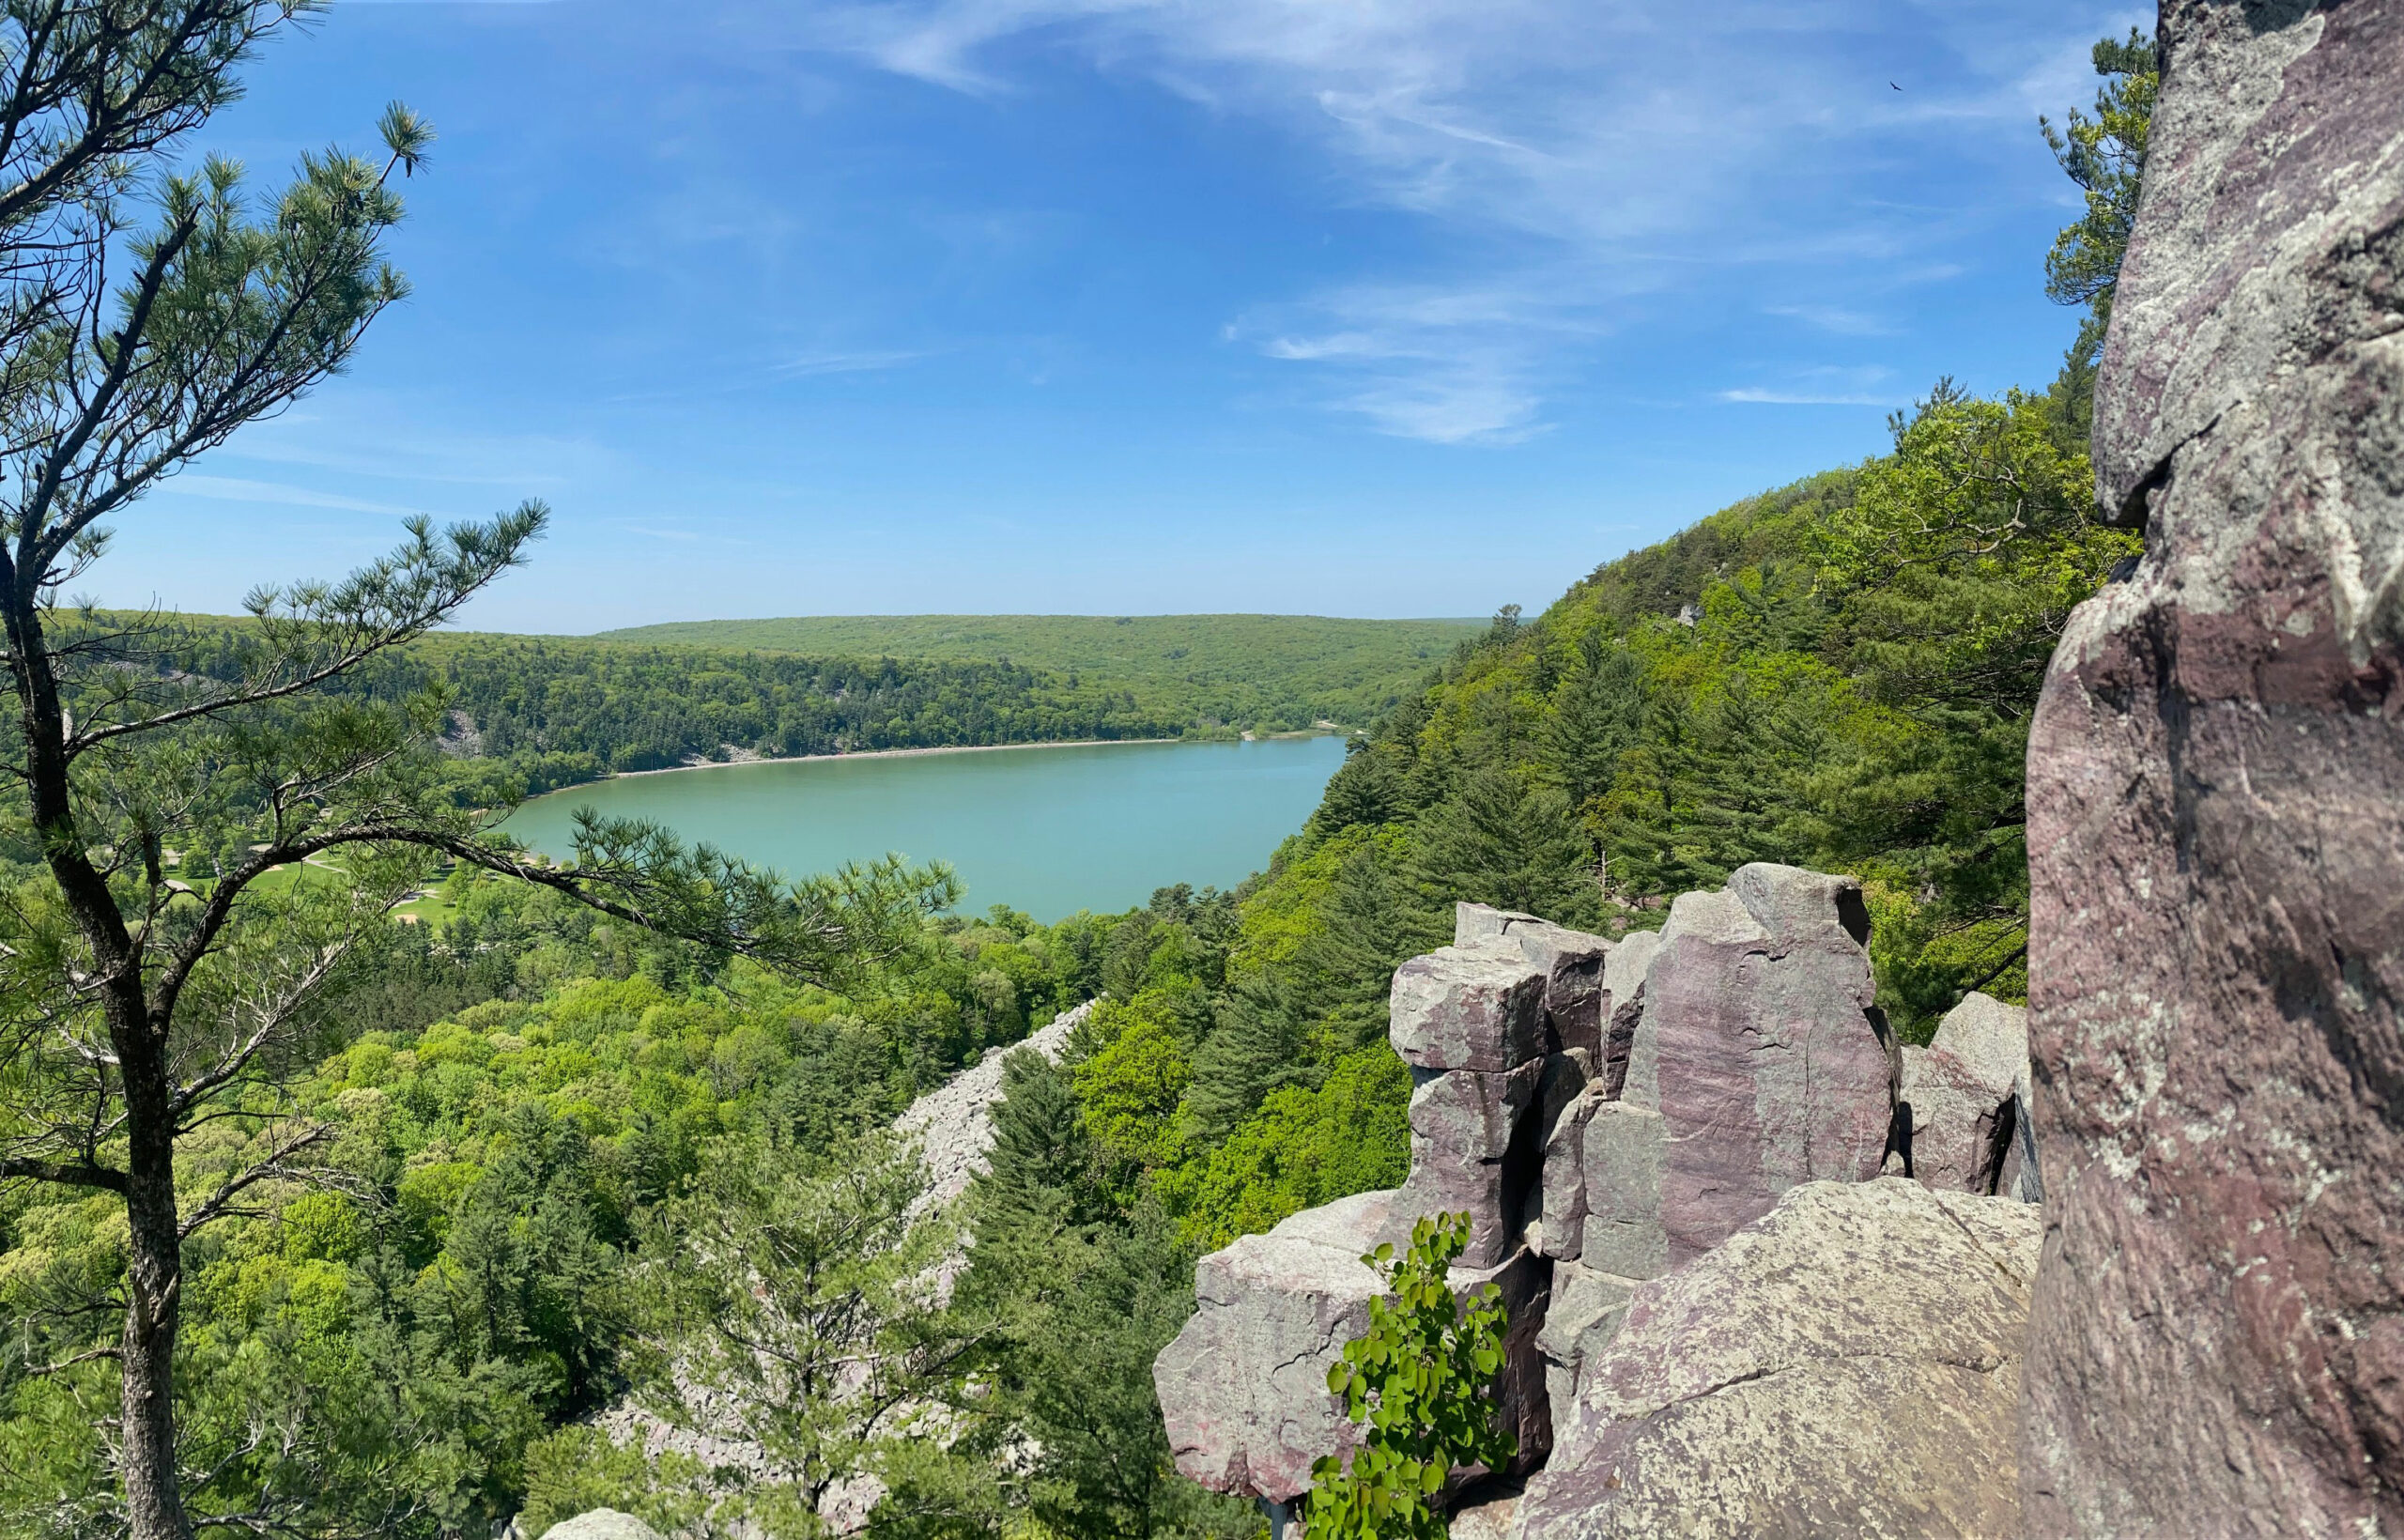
(1049, 831)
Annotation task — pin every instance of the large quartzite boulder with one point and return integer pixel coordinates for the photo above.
(1968, 1091)
(1479, 1008)
(1757, 1047)
(1848, 1364)
(1624, 1004)
(1572, 961)
(2216, 824)
(1243, 1387)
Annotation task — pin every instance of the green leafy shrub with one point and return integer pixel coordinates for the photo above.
(1420, 1380)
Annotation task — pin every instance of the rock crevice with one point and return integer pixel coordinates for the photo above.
(1689, 1180)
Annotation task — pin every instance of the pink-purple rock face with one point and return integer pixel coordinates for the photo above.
(1964, 1090)
(2216, 825)
(1468, 1008)
(1848, 1364)
(1473, 1152)
(1574, 1002)
(1756, 1048)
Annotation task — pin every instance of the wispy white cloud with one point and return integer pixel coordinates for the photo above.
(1801, 398)
(1575, 154)
(240, 489)
(844, 363)
(1835, 318)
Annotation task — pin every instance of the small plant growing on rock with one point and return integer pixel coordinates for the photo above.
(1419, 1378)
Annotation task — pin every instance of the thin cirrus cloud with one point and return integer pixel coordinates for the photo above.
(1585, 159)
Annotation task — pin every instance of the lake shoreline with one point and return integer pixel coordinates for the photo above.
(897, 754)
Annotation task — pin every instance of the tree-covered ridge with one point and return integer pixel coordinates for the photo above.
(558, 710)
(1278, 672)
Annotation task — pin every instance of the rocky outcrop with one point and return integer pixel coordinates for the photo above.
(953, 1126)
(1757, 1047)
(2216, 825)
(1478, 1008)
(1575, 1003)
(1966, 1091)
(1585, 1312)
(1243, 1387)
(601, 1524)
(1847, 1364)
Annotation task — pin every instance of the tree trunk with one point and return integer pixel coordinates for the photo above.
(154, 1290)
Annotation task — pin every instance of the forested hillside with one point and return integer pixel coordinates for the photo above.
(542, 712)
(1278, 672)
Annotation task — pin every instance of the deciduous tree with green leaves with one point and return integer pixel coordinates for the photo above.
(1419, 1381)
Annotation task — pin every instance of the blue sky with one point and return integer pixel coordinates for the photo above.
(1361, 307)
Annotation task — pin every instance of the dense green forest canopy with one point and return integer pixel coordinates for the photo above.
(1285, 670)
(552, 710)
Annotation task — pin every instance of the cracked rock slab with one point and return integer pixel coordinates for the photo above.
(1479, 1007)
(1847, 1364)
(1757, 1047)
(1573, 961)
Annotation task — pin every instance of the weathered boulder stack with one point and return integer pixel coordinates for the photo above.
(2216, 824)
(1611, 1115)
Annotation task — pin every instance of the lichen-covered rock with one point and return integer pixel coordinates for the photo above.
(1474, 1149)
(1625, 1152)
(1757, 1047)
(1847, 1364)
(2216, 825)
(1585, 1313)
(1469, 1008)
(1623, 1004)
(1243, 1387)
(601, 1524)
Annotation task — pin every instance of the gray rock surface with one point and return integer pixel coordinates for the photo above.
(2216, 825)
(1470, 1152)
(1469, 1008)
(1243, 1387)
(953, 1123)
(601, 1524)
(1568, 1085)
(1624, 1002)
(1756, 1046)
(1626, 1152)
(1965, 1091)
(1849, 1364)
(1557, 1225)
(1484, 1514)
(1585, 1314)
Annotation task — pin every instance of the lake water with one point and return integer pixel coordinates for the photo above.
(1049, 831)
